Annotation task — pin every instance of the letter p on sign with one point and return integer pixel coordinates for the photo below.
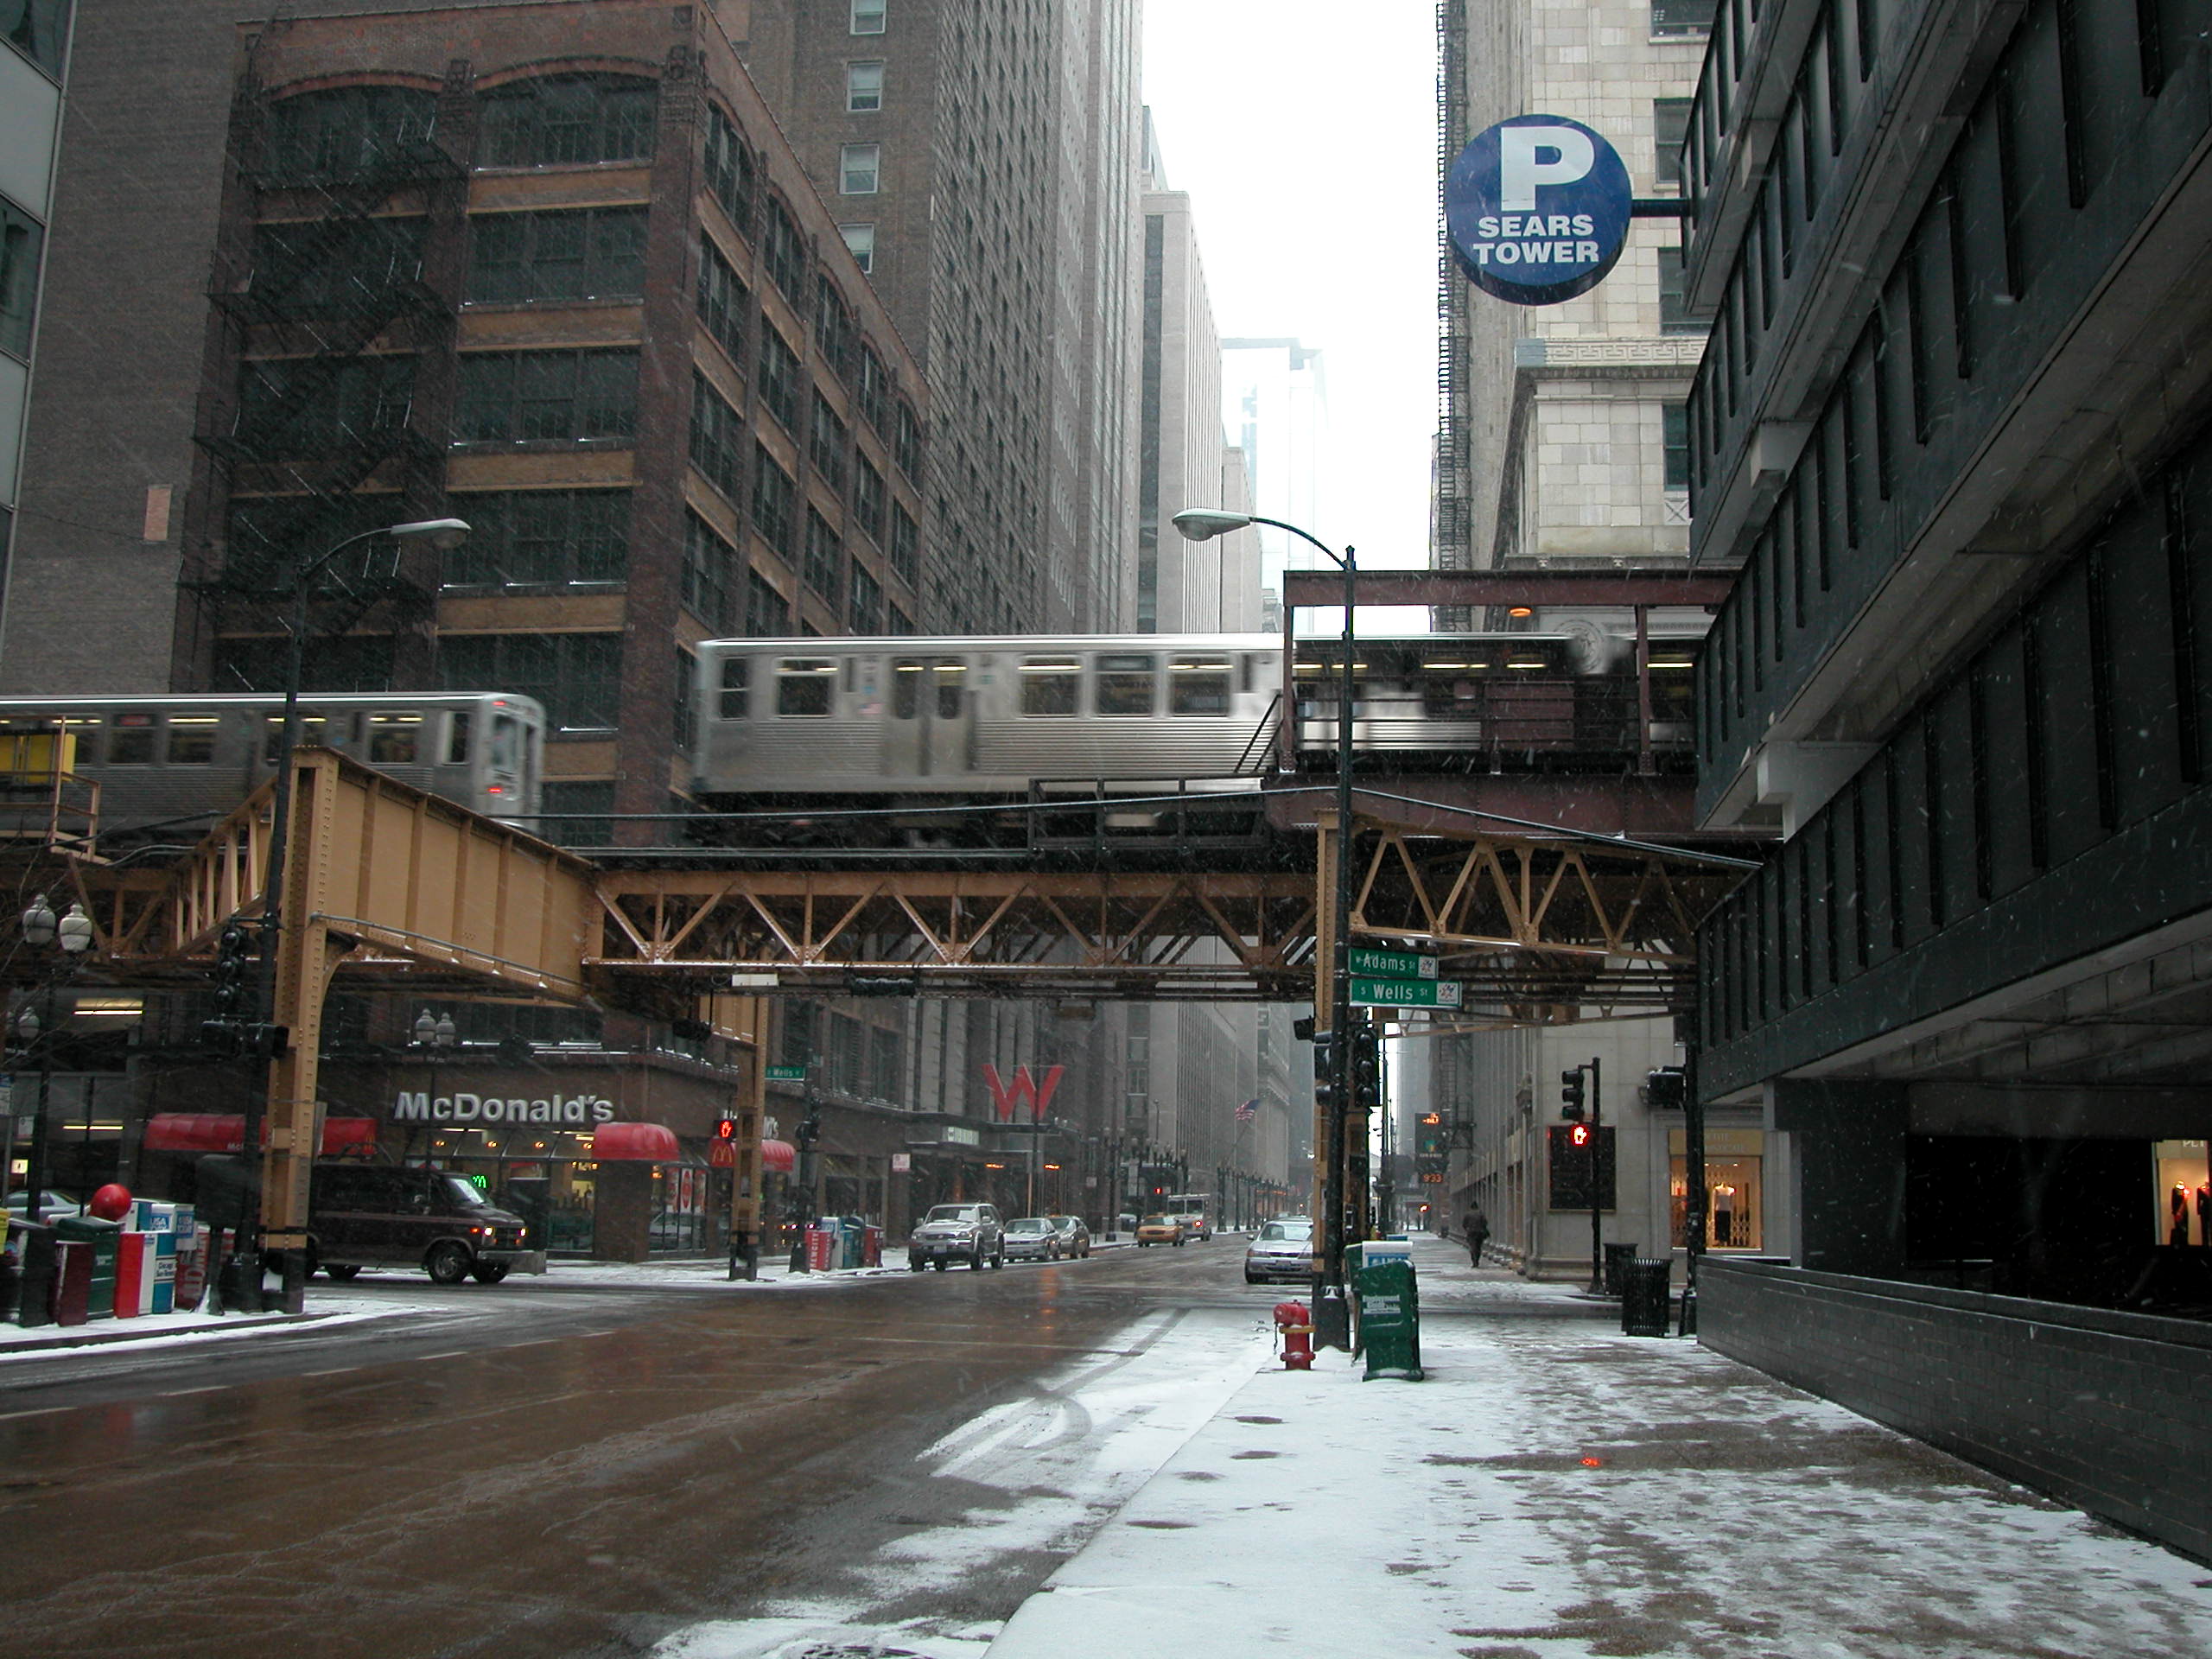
(1523, 163)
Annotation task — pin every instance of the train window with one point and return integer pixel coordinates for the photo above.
(395, 739)
(804, 685)
(1051, 685)
(192, 740)
(1244, 670)
(735, 699)
(314, 728)
(1125, 683)
(506, 744)
(1197, 685)
(905, 688)
(86, 730)
(458, 732)
(132, 743)
(950, 682)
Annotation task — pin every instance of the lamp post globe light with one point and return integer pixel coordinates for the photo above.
(1332, 1314)
(242, 1291)
(41, 930)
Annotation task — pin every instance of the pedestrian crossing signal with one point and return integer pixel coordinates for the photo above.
(726, 1129)
(1580, 1135)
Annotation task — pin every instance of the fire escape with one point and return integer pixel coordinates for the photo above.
(322, 412)
(1452, 529)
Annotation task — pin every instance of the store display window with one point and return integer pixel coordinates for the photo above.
(1735, 1202)
(2182, 1197)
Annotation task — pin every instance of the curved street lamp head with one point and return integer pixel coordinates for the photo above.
(439, 532)
(38, 922)
(1204, 524)
(76, 931)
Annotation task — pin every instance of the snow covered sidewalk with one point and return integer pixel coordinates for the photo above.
(1555, 1489)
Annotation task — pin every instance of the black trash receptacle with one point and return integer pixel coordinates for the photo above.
(1618, 1256)
(1645, 1298)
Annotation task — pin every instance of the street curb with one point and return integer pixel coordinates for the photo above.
(101, 1339)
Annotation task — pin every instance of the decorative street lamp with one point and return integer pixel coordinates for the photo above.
(1332, 1314)
(244, 1292)
(41, 930)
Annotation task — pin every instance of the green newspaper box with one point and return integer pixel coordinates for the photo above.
(1390, 1318)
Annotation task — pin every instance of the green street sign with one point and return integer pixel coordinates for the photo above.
(1393, 964)
(1407, 992)
(787, 1074)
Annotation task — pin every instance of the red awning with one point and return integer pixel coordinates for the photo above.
(650, 1143)
(225, 1132)
(779, 1155)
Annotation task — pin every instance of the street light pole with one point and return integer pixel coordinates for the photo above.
(1332, 1314)
(73, 933)
(245, 1291)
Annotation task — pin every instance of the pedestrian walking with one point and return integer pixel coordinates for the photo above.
(1477, 1227)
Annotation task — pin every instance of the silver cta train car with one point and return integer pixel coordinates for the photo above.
(174, 762)
(978, 717)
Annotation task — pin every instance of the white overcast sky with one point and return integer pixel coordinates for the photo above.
(1306, 135)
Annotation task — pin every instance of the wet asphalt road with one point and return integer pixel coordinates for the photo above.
(537, 1474)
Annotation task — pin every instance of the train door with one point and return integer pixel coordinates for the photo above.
(932, 726)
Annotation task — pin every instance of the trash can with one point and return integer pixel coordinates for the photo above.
(872, 1247)
(1645, 1297)
(1618, 1256)
(1389, 1318)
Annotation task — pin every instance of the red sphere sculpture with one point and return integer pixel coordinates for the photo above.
(111, 1202)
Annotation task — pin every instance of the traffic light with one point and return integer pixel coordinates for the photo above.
(1570, 1093)
(227, 1033)
(1667, 1090)
(1366, 1075)
(725, 1128)
(1325, 1092)
(1581, 1136)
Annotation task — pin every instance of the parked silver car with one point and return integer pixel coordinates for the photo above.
(957, 1232)
(1075, 1237)
(1281, 1251)
(1033, 1238)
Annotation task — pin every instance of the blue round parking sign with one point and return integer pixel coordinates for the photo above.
(1538, 207)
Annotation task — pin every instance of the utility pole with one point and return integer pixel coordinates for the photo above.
(1596, 1199)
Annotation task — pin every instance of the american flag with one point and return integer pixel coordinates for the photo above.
(1249, 1110)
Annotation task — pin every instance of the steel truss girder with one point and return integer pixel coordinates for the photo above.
(1142, 937)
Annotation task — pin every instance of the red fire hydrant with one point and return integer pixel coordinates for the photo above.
(1294, 1323)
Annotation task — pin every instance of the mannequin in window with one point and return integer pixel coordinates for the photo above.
(1724, 1214)
(2204, 1213)
(2177, 1215)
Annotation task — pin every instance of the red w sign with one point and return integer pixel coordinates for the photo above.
(1022, 1089)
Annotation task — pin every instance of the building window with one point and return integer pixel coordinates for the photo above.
(1670, 124)
(872, 391)
(868, 498)
(859, 166)
(344, 132)
(22, 237)
(596, 253)
(774, 499)
(905, 546)
(709, 590)
(834, 336)
(784, 254)
(39, 30)
(907, 443)
(567, 121)
(537, 397)
(1681, 19)
(576, 676)
(824, 557)
(868, 16)
(717, 436)
(328, 265)
(527, 538)
(778, 380)
(1674, 314)
(864, 613)
(827, 443)
(863, 87)
(730, 173)
(860, 242)
(363, 401)
(1674, 436)
(724, 300)
(767, 612)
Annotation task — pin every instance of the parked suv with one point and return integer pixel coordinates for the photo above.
(383, 1215)
(963, 1232)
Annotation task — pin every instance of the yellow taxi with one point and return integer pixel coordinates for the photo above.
(1159, 1229)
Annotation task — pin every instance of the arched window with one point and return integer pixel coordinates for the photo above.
(345, 131)
(567, 121)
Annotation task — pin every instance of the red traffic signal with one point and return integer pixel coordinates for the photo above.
(726, 1129)
(1581, 1134)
